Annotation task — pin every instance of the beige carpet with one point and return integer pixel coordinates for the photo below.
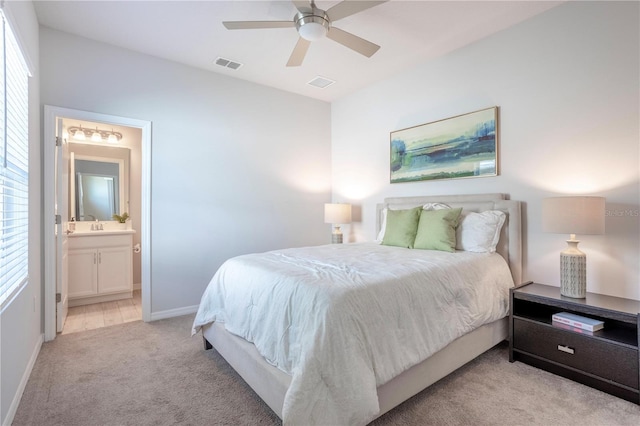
(157, 374)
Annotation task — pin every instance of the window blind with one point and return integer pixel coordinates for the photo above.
(14, 165)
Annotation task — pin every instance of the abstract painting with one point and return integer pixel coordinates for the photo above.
(458, 147)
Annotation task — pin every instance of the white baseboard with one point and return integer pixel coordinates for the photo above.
(137, 286)
(13, 408)
(170, 313)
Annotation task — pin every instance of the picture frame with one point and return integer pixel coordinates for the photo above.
(463, 146)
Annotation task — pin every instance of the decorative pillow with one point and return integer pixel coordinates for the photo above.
(437, 229)
(480, 232)
(383, 223)
(401, 227)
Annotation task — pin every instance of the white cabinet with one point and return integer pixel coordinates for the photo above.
(83, 273)
(100, 267)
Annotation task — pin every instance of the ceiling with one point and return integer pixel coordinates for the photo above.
(191, 32)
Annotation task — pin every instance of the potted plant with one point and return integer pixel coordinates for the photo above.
(121, 220)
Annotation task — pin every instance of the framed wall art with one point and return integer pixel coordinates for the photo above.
(458, 147)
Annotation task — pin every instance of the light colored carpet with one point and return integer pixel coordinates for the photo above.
(157, 374)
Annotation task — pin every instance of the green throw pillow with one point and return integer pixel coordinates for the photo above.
(437, 230)
(401, 227)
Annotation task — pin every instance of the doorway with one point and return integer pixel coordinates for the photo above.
(55, 118)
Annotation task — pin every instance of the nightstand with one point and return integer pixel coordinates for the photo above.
(607, 359)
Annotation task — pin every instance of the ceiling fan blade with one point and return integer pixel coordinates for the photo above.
(302, 5)
(251, 25)
(353, 42)
(348, 8)
(299, 52)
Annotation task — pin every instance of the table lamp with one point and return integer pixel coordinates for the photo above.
(573, 215)
(337, 214)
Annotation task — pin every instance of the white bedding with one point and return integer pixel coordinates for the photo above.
(345, 319)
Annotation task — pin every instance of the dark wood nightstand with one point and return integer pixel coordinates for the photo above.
(607, 359)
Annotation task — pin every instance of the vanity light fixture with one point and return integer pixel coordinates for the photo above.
(97, 135)
(78, 133)
(112, 138)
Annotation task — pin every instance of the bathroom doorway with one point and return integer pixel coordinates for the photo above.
(133, 137)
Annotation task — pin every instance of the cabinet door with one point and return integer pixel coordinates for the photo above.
(114, 269)
(83, 272)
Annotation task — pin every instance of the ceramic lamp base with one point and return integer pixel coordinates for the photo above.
(573, 271)
(336, 236)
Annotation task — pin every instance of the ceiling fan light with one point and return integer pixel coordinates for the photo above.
(312, 31)
(313, 26)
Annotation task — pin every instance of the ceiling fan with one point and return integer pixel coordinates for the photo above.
(313, 24)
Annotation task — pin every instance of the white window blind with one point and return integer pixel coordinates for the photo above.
(14, 165)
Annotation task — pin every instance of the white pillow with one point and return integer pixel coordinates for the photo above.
(383, 226)
(428, 206)
(479, 232)
(435, 206)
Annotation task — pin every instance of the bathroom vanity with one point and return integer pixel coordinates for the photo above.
(100, 266)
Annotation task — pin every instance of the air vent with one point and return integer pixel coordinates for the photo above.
(228, 63)
(321, 82)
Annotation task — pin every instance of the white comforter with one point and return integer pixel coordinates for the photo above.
(344, 319)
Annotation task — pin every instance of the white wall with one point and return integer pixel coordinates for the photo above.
(21, 320)
(567, 83)
(236, 167)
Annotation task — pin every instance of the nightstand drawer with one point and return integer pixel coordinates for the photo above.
(584, 353)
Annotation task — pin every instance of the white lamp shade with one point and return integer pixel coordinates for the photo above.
(337, 213)
(573, 215)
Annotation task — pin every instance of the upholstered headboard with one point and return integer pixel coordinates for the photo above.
(510, 244)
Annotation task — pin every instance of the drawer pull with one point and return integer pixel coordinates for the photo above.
(566, 349)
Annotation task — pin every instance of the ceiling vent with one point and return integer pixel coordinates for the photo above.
(228, 63)
(321, 82)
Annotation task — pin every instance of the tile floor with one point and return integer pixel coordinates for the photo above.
(88, 317)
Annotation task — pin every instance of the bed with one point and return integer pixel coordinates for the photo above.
(277, 381)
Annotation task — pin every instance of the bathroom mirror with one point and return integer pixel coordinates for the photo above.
(97, 187)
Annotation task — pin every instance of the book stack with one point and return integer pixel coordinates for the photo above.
(576, 323)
